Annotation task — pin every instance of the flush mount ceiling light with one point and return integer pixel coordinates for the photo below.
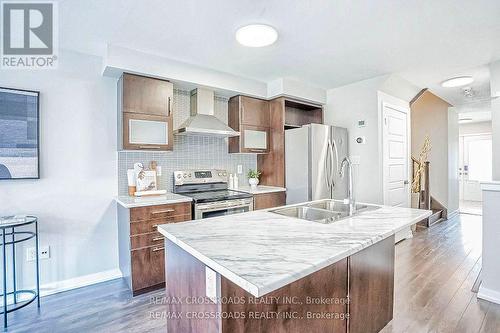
(457, 81)
(256, 35)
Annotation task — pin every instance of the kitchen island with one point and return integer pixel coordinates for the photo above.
(264, 272)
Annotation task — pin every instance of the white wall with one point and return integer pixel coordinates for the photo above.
(495, 117)
(297, 89)
(482, 127)
(74, 197)
(360, 101)
(453, 152)
(495, 121)
(490, 286)
(345, 106)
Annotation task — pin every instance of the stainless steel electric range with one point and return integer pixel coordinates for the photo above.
(210, 193)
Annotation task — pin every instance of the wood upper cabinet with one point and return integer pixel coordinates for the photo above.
(254, 111)
(249, 116)
(147, 95)
(145, 113)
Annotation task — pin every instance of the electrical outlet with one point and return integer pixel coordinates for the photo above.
(44, 252)
(240, 169)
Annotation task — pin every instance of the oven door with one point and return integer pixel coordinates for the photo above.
(220, 208)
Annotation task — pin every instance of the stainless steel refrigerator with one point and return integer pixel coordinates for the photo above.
(313, 154)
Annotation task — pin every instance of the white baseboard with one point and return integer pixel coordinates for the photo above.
(488, 294)
(78, 282)
(69, 284)
(453, 214)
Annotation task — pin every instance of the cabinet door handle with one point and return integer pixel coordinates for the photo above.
(156, 249)
(149, 147)
(156, 239)
(169, 210)
(168, 107)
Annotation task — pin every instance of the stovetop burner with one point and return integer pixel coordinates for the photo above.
(206, 185)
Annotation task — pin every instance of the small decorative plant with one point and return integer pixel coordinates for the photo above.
(253, 174)
(253, 177)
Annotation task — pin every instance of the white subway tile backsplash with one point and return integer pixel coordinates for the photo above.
(190, 152)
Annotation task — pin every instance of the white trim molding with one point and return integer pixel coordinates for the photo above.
(451, 215)
(489, 295)
(78, 282)
(493, 186)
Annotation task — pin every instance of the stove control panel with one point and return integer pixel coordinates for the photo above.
(186, 177)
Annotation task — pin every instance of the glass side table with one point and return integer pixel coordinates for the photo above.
(10, 237)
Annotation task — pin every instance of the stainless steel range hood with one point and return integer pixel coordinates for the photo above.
(202, 120)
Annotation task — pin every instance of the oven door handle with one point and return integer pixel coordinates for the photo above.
(209, 208)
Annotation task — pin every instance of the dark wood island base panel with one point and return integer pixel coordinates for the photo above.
(354, 294)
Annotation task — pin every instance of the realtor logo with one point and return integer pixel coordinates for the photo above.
(29, 38)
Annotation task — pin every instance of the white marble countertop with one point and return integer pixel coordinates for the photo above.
(164, 199)
(260, 189)
(261, 251)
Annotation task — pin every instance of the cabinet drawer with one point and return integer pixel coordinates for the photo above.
(147, 226)
(148, 267)
(159, 211)
(145, 240)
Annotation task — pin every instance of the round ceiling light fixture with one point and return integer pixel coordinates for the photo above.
(256, 35)
(458, 81)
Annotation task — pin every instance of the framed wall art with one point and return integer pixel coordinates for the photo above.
(19, 134)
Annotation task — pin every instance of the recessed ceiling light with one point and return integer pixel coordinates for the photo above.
(457, 81)
(256, 35)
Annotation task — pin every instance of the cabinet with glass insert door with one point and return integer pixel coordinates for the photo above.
(145, 113)
(251, 117)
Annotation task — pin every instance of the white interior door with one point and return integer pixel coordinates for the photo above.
(476, 166)
(396, 155)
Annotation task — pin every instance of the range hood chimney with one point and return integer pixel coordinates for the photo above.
(202, 120)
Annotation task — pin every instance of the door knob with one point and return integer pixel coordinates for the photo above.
(406, 182)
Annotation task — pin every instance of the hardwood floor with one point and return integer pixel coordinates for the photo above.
(435, 272)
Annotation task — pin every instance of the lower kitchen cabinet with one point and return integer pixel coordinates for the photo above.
(141, 246)
(269, 200)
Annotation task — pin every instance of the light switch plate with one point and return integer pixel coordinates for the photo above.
(240, 169)
(211, 284)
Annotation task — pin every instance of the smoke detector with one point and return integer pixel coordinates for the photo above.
(469, 92)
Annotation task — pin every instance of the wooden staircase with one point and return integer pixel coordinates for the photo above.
(425, 200)
(438, 213)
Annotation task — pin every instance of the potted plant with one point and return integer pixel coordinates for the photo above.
(253, 177)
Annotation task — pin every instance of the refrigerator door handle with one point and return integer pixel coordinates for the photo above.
(332, 162)
(327, 166)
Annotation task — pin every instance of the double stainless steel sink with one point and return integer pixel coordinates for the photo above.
(324, 211)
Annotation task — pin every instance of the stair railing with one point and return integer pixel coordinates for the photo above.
(421, 183)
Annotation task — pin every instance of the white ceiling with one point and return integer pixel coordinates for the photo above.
(323, 43)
